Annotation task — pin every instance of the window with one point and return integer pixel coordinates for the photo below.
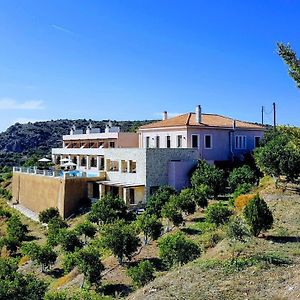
(168, 141)
(256, 141)
(195, 143)
(131, 196)
(93, 162)
(83, 162)
(208, 141)
(111, 144)
(123, 166)
(157, 141)
(147, 141)
(132, 166)
(240, 142)
(112, 165)
(179, 141)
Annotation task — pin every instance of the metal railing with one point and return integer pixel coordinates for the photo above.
(36, 171)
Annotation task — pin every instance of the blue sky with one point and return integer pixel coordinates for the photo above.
(133, 59)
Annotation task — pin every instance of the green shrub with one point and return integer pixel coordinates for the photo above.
(89, 263)
(142, 274)
(156, 202)
(54, 226)
(210, 176)
(107, 210)
(121, 239)
(69, 240)
(279, 153)
(217, 213)
(241, 189)
(176, 249)
(258, 215)
(172, 212)
(149, 225)
(185, 201)
(15, 229)
(87, 229)
(202, 193)
(48, 214)
(43, 255)
(241, 175)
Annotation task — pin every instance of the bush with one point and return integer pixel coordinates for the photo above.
(242, 200)
(14, 285)
(237, 232)
(107, 210)
(185, 201)
(149, 225)
(121, 239)
(68, 240)
(15, 229)
(157, 201)
(202, 193)
(172, 212)
(176, 249)
(241, 175)
(279, 153)
(70, 261)
(89, 263)
(241, 189)
(142, 274)
(43, 255)
(87, 229)
(210, 176)
(48, 214)
(54, 226)
(258, 215)
(217, 213)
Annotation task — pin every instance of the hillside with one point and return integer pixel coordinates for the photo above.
(268, 269)
(21, 140)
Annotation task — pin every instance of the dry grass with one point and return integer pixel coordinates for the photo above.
(268, 277)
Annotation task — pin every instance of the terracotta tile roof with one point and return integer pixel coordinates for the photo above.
(208, 120)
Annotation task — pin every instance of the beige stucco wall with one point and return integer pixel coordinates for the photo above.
(38, 192)
(76, 191)
(128, 140)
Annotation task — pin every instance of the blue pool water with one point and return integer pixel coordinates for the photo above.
(77, 173)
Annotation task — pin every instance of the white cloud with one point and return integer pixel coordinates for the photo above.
(61, 28)
(12, 104)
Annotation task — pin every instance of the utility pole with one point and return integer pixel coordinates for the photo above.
(262, 115)
(274, 115)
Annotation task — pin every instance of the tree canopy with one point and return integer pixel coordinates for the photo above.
(289, 56)
(279, 153)
(210, 176)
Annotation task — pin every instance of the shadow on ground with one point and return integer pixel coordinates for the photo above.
(283, 239)
(116, 290)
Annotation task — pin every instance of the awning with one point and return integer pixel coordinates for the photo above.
(120, 184)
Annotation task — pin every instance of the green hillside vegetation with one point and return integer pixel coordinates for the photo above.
(20, 141)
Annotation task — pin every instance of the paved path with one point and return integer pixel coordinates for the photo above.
(25, 211)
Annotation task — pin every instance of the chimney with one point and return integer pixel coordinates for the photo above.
(73, 128)
(198, 114)
(165, 115)
(233, 124)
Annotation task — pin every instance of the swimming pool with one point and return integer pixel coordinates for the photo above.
(78, 173)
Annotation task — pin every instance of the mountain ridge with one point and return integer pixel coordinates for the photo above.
(19, 141)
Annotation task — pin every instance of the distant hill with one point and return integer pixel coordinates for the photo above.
(20, 141)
